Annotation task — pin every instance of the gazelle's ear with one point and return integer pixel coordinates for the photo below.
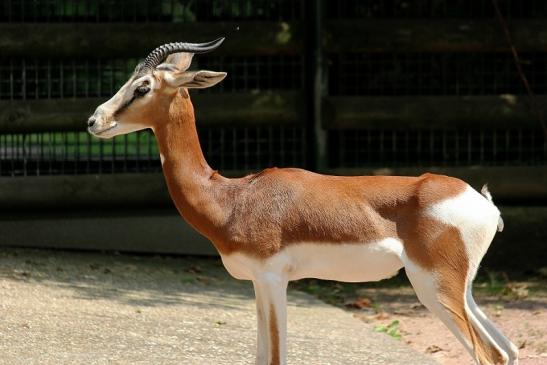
(180, 60)
(195, 79)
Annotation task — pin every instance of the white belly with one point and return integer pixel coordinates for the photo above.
(342, 262)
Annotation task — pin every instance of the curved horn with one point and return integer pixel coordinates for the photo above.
(160, 53)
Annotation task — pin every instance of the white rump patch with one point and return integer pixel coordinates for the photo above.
(475, 217)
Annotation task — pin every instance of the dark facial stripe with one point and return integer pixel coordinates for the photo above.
(124, 106)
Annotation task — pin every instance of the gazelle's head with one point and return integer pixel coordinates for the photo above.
(151, 88)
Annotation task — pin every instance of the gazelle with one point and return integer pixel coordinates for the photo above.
(286, 224)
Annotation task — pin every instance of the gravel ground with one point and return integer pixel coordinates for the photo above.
(73, 308)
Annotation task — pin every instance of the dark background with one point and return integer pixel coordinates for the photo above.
(341, 87)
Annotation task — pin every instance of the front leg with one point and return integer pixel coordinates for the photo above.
(271, 305)
(262, 328)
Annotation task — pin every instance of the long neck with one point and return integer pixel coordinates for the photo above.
(193, 185)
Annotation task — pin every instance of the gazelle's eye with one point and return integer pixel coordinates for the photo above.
(141, 91)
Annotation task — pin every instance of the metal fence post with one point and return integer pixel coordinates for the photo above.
(315, 76)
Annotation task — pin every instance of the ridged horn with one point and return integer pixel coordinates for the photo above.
(160, 53)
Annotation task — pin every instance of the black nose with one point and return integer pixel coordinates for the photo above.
(91, 121)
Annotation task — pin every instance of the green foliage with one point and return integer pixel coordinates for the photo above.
(391, 329)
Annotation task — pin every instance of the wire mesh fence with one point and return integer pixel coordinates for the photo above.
(434, 8)
(255, 73)
(73, 153)
(253, 147)
(47, 79)
(434, 73)
(351, 74)
(410, 148)
(132, 11)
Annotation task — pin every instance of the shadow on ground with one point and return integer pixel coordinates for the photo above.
(129, 279)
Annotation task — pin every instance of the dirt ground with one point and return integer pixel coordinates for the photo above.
(147, 284)
(518, 307)
(63, 307)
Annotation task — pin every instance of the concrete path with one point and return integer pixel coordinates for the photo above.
(87, 308)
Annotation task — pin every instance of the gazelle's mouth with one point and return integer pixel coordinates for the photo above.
(103, 131)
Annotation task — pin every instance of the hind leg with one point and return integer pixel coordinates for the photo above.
(500, 338)
(443, 292)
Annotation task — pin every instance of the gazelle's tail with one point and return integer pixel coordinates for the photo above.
(486, 193)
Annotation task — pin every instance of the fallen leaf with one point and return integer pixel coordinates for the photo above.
(359, 303)
(382, 315)
(516, 291)
(433, 349)
(194, 270)
(203, 280)
(22, 273)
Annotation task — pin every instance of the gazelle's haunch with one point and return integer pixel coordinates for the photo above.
(286, 224)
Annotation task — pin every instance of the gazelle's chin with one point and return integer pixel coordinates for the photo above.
(104, 132)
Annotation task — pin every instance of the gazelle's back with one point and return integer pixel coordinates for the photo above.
(281, 207)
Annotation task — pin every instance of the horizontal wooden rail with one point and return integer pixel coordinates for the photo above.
(433, 35)
(254, 38)
(340, 112)
(164, 231)
(121, 191)
(84, 191)
(230, 108)
(134, 40)
(134, 230)
(427, 112)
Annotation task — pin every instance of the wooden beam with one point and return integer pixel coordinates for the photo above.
(84, 191)
(134, 230)
(164, 231)
(340, 112)
(46, 114)
(115, 40)
(59, 192)
(442, 112)
(229, 108)
(432, 35)
(253, 37)
(508, 184)
(66, 211)
(270, 107)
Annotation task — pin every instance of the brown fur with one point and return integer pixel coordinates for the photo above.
(274, 337)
